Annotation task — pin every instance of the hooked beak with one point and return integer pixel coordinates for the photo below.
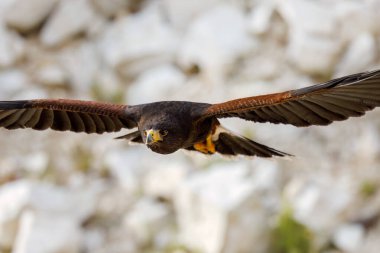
(152, 136)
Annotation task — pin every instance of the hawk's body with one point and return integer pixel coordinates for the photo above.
(168, 126)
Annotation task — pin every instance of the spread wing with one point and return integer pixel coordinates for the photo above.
(320, 104)
(65, 115)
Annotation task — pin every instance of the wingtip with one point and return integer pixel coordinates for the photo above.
(10, 105)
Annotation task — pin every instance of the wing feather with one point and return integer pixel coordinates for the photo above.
(321, 104)
(65, 115)
(34, 119)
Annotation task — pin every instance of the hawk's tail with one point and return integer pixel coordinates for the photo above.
(229, 144)
(132, 137)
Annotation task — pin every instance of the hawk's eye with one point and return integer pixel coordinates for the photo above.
(164, 132)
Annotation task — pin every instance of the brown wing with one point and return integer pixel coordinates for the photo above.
(65, 115)
(320, 104)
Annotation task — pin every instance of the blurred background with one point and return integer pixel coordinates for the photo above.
(78, 193)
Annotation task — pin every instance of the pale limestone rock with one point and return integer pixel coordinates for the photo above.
(360, 54)
(12, 47)
(4, 8)
(93, 239)
(64, 234)
(81, 63)
(366, 146)
(182, 12)
(357, 17)
(349, 237)
(315, 17)
(70, 18)
(260, 18)
(129, 169)
(76, 204)
(308, 196)
(214, 41)
(51, 74)
(12, 82)
(46, 201)
(110, 7)
(313, 54)
(164, 180)
(167, 81)
(146, 220)
(108, 85)
(126, 167)
(31, 94)
(34, 162)
(313, 44)
(371, 241)
(119, 240)
(219, 207)
(135, 42)
(25, 15)
(13, 199)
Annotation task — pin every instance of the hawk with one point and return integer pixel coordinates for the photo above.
(168, 126)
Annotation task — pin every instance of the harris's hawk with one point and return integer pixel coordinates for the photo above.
(168, 126)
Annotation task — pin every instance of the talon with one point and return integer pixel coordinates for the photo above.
(206, 146)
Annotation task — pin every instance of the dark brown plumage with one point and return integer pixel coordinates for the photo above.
(172, 125)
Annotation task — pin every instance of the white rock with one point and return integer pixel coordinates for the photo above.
(50, 74)
(108, 85)
(365, 144)
(129, 169)
(47, 234)
(119, 240)
(266, 174)
(51, 216)
(35, 162)
(31, 94)
(12, 82)
(315, 17)
(357, 17)
(182, 12)
(69, 19)
(138, 41)
(93, 239)
(371, 242)
(146, 220)
(81, 64)
(313, 44)
(4, 8)
(25, 15)
(219, 207)
(207, 45)
(164, 180)
(76, 204)
(12, 47)
(126, 166)
(260, 18)
(110, 7)
(167, 81)
(349, 237)
(313, 54)
(360, 54)
(322, 192)
(13, 199)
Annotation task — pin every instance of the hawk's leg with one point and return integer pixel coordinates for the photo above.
(207, 146)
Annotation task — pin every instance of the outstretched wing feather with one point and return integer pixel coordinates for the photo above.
(65, 115)
(321, 104)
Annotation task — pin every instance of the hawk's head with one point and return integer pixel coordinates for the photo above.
(164, 138)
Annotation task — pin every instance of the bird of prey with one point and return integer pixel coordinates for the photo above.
(168, 126)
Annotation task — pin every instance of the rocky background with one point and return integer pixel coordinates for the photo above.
(78, 193)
